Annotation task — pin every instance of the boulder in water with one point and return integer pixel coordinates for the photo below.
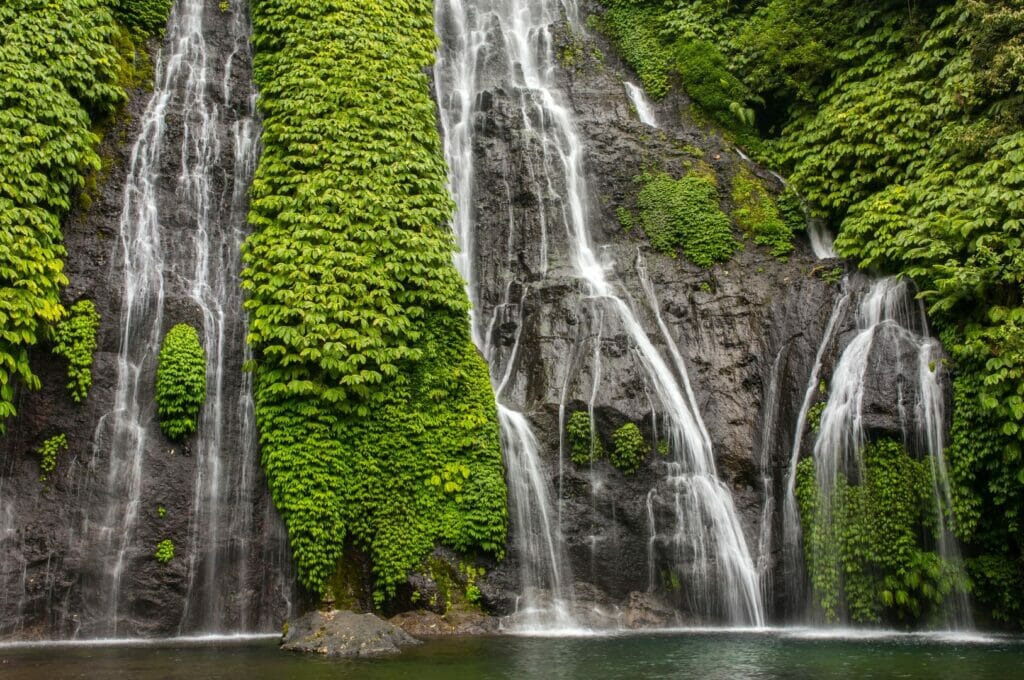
(344, 634)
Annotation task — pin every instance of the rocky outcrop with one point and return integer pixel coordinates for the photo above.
(344, 634)
(424, 624)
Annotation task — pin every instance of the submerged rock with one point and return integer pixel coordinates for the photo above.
(421, 623)
(344, 633)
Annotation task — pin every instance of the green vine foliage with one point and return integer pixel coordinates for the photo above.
(904, 125)
(144, 17)
(60, 76)
(644, 33)
(180, 382)
(584, 442)
(76, 342)
(629, 450)
(863, 542)
(377, 422)
(48, 451)
(685, 214)
(757, 214)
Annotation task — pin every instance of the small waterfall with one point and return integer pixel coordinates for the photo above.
(513, 40)
(644, 110)
(886, 314)
(791, 530)
(181, 228)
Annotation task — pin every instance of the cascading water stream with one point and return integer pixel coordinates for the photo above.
(181, 228)
(644, 110)
(514, 37)
(885, 311)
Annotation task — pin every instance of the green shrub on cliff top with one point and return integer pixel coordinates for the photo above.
(180, 382)
(368, 389)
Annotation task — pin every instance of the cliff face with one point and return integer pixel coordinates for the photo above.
(748, 330)
(77, 551)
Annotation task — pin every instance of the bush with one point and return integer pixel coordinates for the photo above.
(630, 448)
(584, 444)
(164, 551)
(180, 382)
(758, 216)
(685, 214)
(76, 342)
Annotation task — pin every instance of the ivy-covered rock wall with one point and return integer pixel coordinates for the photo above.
(377, 422)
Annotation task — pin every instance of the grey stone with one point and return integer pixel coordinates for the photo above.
(344, 634)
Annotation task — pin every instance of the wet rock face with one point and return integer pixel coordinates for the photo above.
(53, 580)
(344, 634)
(559, 350)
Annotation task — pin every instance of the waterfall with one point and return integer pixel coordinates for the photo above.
(178, 253)
(886, 314)
(644, 110)
(510, 42)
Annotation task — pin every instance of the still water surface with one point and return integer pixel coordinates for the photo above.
(710, 655)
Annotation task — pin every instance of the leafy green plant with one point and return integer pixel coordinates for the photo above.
(180, 382)
(161, 511)
(48, 451)
(584, 443)
(863, 543)
(685, 214)
(377, 422)
(76, 342)
(164, 551)
(630, 448)
(758, 216)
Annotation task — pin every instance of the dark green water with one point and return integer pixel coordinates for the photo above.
(702, 656)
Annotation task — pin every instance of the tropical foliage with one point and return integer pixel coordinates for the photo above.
(377, 423)
(863, 542)
(76, 342)
(48, 451)
(902, 124)
(180, 382)
(60, 74)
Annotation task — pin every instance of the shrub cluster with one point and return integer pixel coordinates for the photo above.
(48, 451)
(685, 214)
(865, 543)
(76, 342)
(180, 382)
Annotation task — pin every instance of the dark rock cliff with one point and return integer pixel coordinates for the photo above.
(54, 571)
(733, 323)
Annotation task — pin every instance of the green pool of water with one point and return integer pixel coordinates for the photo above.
(707, 655)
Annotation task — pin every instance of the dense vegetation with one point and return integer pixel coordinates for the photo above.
(864, 542)
(902, 123)
(377, 422)
(63, 67)
(48, 451)
(684, 214)
(180, 382)
(76, 341)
